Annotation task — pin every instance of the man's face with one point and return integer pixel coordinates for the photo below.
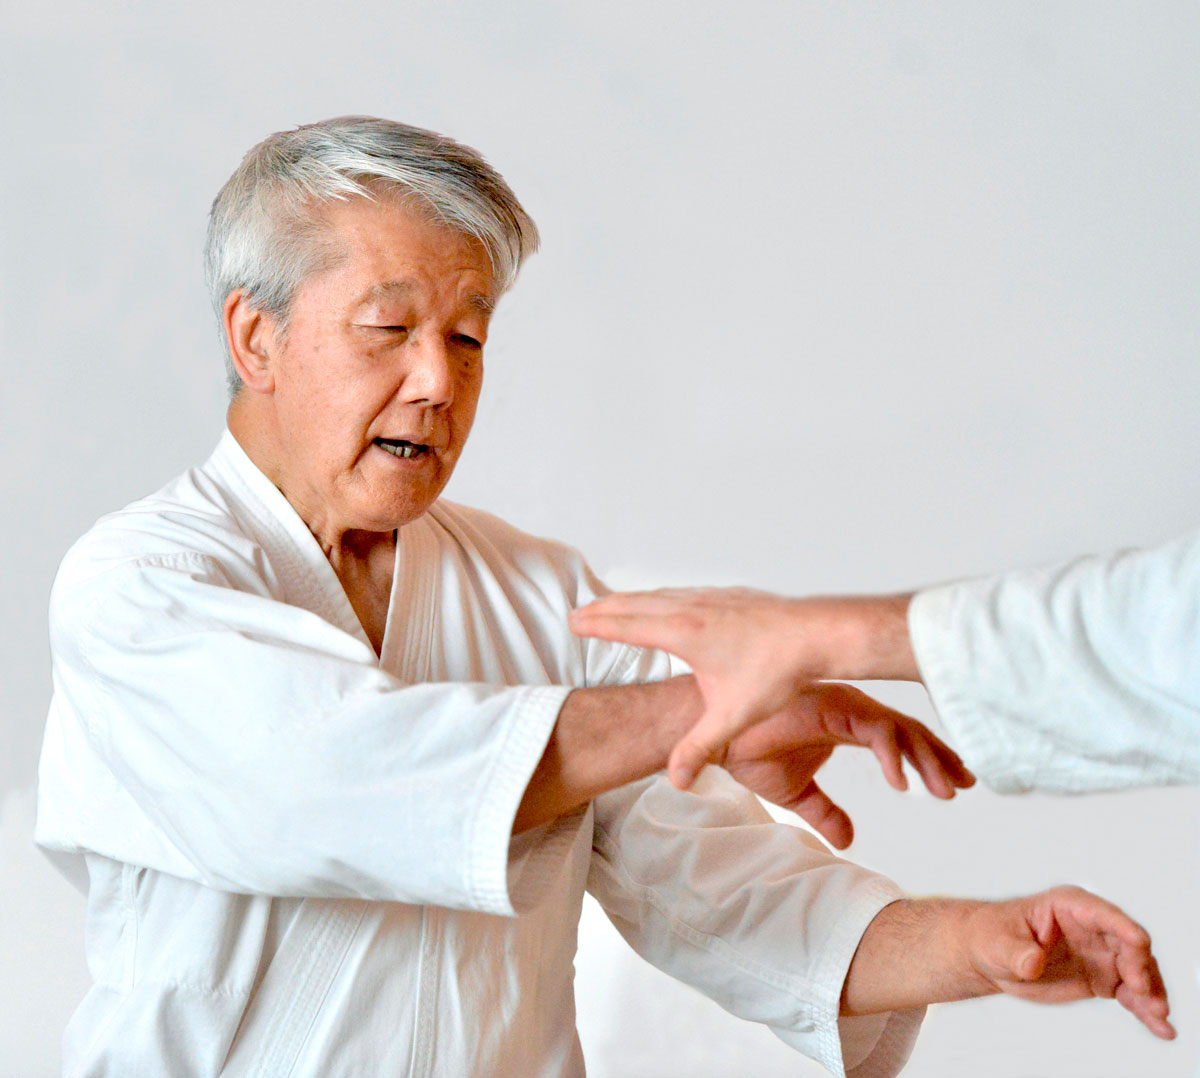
(378, 375)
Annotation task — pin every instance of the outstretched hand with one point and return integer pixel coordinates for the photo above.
(779, 757)
(751, 651)
(1068, 944)
(1061, 945)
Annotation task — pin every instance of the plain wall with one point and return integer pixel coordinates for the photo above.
(832, 297)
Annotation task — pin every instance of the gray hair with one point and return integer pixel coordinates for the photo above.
(265, 230)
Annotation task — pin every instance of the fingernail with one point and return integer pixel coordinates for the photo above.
(682, 777)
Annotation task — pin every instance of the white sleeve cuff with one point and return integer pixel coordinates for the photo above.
(507, 873)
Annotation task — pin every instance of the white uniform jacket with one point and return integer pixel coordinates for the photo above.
(1081, 676)
(299, 853)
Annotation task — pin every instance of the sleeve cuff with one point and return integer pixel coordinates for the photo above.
(867, 1046)
(507, 873)
(945, 662)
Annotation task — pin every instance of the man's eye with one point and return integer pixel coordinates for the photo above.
(470, 342)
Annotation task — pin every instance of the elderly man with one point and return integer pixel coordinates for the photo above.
(338, 770)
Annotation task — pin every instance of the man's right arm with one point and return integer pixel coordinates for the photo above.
(607, 737)
(224, 736)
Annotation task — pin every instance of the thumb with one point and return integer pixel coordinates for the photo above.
(1028, 962)
(1017, 948)
(704, 743)
(1005, 944)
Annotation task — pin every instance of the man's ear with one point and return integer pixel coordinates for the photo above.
(251, 336)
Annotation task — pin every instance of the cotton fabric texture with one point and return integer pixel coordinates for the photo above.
(1076, 677)
(298, 853)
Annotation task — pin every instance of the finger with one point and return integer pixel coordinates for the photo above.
(829, 820)
(887, 751)
(1157, 1007)
(642, 629)
(1098, 914)
(686, 761)
(1133, 964)
(1141, 990)
(653, 601)
(926, 761)
(894, 736)
(1152, 1013)
(662, 602)
(1141, 981)
(952, 763)
(707, 741)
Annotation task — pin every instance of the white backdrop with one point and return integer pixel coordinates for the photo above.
(832, 297)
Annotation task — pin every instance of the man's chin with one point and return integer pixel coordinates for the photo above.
(387, 513)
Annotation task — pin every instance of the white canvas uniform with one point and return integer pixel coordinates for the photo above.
(1081, 676)
(299, 852)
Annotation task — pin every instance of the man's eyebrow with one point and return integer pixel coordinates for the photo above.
(388, 289)
(385, 289)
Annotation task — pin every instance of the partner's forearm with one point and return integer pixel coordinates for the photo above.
(855, 638)
(604, 738)
(913, 953)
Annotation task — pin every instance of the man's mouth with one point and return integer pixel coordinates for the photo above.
(398, 447)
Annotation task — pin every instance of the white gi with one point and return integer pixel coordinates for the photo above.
(299, 853)
(1081, 676)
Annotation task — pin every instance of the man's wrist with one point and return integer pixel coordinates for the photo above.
(607, 736)
(916, 952)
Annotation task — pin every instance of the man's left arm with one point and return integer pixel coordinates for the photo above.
(835, 959)
(1059, 946)
(756, 915)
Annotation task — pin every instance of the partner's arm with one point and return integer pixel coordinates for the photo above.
(751, 651)
(1011, 661)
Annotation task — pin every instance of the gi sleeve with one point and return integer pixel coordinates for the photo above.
(229, 738)
(1081, 676)
(755, 914)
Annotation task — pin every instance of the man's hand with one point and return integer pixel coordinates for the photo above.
(1068, 944)
(1055, 947)
(751, 651)
(778, 758)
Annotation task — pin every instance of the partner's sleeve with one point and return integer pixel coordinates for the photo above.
(1080, 676)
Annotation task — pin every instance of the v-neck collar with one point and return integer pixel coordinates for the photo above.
(308, 580)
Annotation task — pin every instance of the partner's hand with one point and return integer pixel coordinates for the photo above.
(779, 757)
(751, 651)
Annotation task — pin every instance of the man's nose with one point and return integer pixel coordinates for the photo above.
(428, 376)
